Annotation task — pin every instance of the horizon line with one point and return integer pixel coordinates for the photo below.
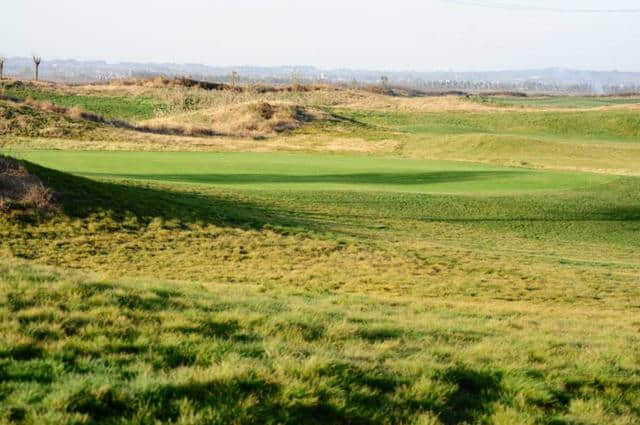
(323, 68)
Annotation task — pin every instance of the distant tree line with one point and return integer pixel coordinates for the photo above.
(384, 81)
(586, 87)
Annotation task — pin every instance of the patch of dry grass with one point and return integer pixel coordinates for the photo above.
(136, 141)
(38, 121)
(254, 119)
(19, 188)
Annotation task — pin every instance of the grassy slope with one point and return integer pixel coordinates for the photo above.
(599, 141)
(121, 107)
(420, 334)
(23, 120)
(613, 125)
(482, 304)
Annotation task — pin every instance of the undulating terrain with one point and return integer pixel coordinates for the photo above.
(172, 252)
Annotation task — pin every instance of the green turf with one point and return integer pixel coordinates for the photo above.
(311, 172)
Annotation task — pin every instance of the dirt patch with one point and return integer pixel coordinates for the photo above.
(19, 188)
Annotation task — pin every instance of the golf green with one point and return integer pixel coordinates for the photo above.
(282, 171)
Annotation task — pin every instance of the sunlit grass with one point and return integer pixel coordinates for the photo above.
(120, 107)
(397, 240)
(77, 349)
(602, 125)
(310, 172)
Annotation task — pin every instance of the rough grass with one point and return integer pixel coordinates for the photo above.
(27, 120)
(78, 349)
(528, 151)
(115, 107)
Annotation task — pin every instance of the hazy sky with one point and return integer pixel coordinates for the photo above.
(391, 35)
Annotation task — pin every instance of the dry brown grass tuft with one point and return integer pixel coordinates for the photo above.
(19, 188)
(45, 106)
(39, 196)
(77, 113)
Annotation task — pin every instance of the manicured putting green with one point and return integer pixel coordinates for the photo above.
(283, 171)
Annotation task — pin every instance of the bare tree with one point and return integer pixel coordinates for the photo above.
(36, 61)
(2, 59)
(234, 78)
(384, 80)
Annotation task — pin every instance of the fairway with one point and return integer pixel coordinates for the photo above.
(311, 172)
(594, 125)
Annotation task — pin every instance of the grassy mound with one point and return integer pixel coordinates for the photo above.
(253, 119)
(126, 106)
(41, 119)
(44, 119)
